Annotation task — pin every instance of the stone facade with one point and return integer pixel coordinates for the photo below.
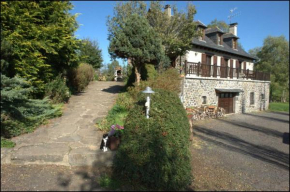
(195, 88)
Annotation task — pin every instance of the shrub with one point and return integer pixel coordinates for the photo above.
(57, 90)
(155, 152)
(96, 77)
(168, 80)
(148, 72)
(80, 77)
(124, 100)
(19, 114)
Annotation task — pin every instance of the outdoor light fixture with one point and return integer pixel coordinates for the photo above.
(148, 91)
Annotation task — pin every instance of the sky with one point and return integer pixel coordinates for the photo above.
(256, 19)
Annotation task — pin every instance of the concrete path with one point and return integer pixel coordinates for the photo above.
(73, 139)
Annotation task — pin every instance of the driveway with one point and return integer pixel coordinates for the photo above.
(242, 152)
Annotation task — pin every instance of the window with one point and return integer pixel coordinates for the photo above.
(203, 99)
(220, 39)
(202, 32)
(234, 44)
(262, 96)
(252, 98)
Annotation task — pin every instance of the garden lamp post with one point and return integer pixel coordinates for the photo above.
(148, 91)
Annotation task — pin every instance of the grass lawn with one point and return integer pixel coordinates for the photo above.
(283, 107)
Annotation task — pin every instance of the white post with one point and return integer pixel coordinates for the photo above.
(147, 105)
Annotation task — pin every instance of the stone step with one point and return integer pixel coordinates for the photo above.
(87, 157)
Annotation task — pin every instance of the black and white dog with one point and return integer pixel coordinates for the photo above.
(104, 144)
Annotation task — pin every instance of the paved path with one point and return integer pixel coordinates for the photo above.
(242, 152)
(73, 139)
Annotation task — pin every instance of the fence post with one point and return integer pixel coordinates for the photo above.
(247, 73)
(238, 72)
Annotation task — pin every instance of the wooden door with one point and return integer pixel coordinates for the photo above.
(238, 66)
(205, 66)
(226, 101)
(245, 67)
(223, 68)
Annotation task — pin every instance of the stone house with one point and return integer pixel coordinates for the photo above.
(217, 71)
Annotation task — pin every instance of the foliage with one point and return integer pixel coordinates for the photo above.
(273, 57)
(38, 40)
(6, 143)
(18, 113)
(176, 31)
(80, 77)
(148, 72)
(107, 182)
(125, 100)
(134, 38)
(168, 80)
(109, 70)
(116, 115)
(222, 25)
(89, 52)
(57, 90)
(155, 152)
(283, 107)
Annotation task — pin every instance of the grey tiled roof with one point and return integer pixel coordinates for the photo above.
(213, 30)
(210, 44)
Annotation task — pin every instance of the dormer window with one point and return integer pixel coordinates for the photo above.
(234, 44)
(202, 32)
(220, 40)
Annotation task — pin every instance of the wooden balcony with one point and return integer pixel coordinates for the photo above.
(205, 70)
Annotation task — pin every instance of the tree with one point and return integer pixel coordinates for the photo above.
(90, 53)
(39, 39)
(220, 24)
(134, 38)
(273, 57)
(176, 31)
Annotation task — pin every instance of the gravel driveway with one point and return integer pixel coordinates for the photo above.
(242, 152)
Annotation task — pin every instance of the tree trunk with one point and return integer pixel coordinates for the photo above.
(138, 75)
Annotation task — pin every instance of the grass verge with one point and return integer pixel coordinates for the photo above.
(281, 107)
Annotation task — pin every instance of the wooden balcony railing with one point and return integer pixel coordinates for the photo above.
(205, 70)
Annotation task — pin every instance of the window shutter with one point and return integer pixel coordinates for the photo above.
(203, 58)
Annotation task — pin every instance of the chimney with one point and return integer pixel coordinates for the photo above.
(234, 29)
(168, 10)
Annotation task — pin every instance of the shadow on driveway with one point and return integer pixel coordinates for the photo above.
(260, 129)
(233, 143)
(268, 118)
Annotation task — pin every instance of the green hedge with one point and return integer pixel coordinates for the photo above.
(154, 153)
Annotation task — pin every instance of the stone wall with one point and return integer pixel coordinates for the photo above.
(195, 88)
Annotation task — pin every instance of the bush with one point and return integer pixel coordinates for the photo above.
(168, 80)
(80, 77)
(19, 114)
(148, 72)
(57, 90)
(155, 152)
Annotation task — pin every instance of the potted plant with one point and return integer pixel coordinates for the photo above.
(115, 136)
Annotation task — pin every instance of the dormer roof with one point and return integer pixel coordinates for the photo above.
(199, 23)
(213, 30)
(230, 35)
